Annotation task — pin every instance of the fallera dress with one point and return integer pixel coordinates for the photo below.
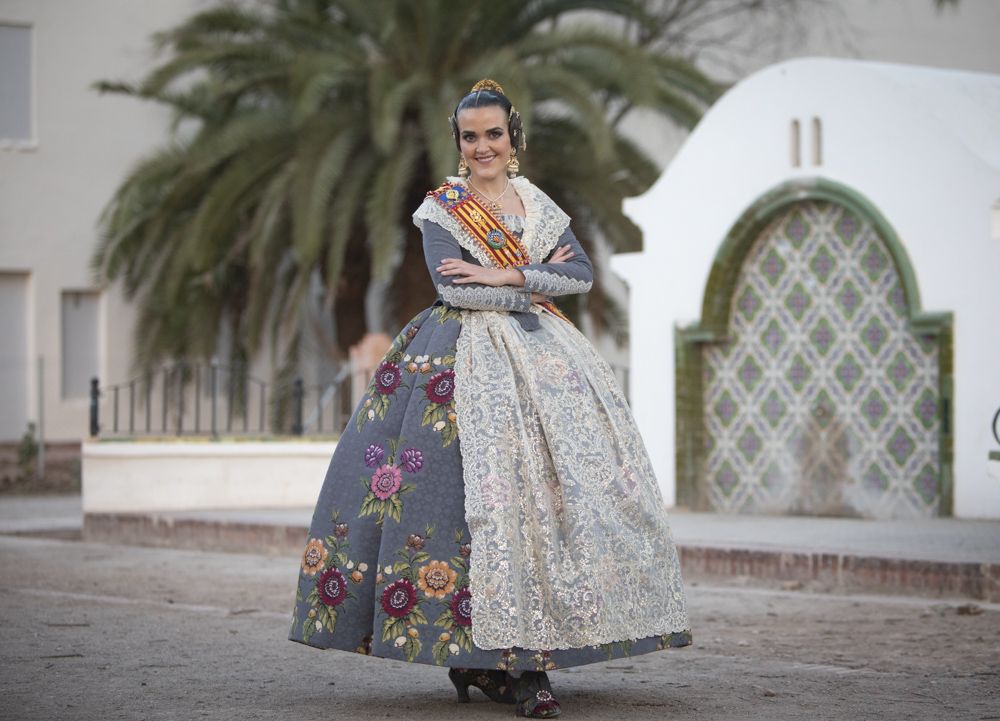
(490, 503)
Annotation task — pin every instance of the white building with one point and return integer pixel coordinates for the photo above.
(63, 150)
(814, 316)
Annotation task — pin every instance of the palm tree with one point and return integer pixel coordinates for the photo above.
(307, 131)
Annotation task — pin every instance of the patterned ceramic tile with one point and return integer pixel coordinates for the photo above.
(822, 401)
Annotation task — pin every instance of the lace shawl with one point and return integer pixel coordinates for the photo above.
(571, 545)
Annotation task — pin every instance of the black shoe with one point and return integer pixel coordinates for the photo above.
(534, 695)
(492, 683)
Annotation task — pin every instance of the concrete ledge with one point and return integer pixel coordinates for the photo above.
(170, 475)
(846, 572)
(165, 531)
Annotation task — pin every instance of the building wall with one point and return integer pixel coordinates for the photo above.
(53, 188)
(54, 185)
(914, 142)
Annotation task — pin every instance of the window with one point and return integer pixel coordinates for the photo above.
(14, 370)
(79, 341)
(817, 145)
(795, 138)
(15, 84)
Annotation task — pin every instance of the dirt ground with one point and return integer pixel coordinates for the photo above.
(91, 631)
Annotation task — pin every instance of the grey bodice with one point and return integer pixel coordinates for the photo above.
(550, 279)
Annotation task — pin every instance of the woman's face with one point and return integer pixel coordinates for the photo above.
(485, 141)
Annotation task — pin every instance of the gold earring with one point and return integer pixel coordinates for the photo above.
(513, 167)
(463, 167)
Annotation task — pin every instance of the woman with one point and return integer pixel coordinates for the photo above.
(490, 506)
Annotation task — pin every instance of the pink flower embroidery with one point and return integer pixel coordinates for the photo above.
(386, 481)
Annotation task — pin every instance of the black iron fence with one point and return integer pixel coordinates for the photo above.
(194, 399)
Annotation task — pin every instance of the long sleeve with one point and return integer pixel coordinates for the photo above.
(574, 276)
(440, 244)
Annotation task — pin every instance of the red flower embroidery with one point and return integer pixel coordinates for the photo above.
(461, 607)
(399, 598)
(441, 387)
(387, 378)
(332, 587)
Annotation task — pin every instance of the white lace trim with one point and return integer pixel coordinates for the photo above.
(540, 281)
(485, 298)
(544, 221)
(431, 210)
(570, 541)
(515, 223)
(543, 224)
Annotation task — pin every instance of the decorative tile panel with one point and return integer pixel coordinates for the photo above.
(821, 401)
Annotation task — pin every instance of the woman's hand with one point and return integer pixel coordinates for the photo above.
(539, 298)
(561, 255)
(465, 272)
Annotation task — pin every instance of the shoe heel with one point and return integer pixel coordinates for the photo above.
(461, 687)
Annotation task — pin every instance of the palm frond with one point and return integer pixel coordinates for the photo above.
(306, 131)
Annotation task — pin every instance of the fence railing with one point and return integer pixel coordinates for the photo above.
(195, 399)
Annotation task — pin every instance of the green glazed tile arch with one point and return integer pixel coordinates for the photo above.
(722, 279)
(690, 435)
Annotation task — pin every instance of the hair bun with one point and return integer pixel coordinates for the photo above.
(487, 84)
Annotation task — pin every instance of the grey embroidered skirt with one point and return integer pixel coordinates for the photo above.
(389, 567)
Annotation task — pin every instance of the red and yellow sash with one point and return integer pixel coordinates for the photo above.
(492, 235)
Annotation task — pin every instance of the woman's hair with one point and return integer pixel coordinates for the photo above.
(484, 98)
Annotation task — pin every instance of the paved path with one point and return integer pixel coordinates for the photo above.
(26, 514)
(97, 632)
(939, 539)
(942, 539)
(933, 557)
